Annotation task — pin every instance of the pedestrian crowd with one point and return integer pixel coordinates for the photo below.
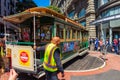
(100, 45)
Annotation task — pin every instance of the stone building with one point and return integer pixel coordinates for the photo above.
(82, 11)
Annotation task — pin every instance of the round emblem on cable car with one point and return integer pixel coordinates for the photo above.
(24, 57)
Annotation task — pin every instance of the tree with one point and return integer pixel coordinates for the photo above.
(54, 8)
(24, 4)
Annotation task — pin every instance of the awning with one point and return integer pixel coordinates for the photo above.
(105, 19)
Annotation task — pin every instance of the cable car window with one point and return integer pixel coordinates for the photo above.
(26, 34)
(78, 34)
(60, 31)
(45, 32)
(67, 33)
(74, 34)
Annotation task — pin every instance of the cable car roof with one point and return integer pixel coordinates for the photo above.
(37, 11)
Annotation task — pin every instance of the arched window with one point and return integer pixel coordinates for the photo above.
(82, 13)
(83, 23)
(104, 2)
(71, 14)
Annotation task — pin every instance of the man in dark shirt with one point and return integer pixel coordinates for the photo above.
(52, 49)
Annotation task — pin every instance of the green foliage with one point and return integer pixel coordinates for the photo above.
(55, 8)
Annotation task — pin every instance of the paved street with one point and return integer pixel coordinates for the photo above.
(110, 71)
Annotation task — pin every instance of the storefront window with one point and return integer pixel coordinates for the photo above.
(117, 9)
(111, 11)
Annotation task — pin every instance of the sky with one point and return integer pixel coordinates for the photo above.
(43, 3)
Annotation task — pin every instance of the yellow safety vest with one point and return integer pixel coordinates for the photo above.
(1, 52)
(49, 63)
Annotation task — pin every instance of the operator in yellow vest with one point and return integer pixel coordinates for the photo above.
(2, 55)
(52, 63)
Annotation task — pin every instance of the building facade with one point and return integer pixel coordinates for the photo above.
(108, 19)
(7, 7)
(82, 11)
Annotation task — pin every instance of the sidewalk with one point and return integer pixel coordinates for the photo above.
(111, 71)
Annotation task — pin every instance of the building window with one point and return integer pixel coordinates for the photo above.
(0, 10)
(106, 13)
(5, 13)
(117, 10)
(82, 13)
(71, 14)
(4, 2)
(83, 23)
(1, 28)
(102, 2)
(111, 11)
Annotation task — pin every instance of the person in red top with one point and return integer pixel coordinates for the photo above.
(101, 45)
(25, 35)
(119, 46)
(115, 45)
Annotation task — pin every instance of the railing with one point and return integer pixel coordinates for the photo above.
(20, 43)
